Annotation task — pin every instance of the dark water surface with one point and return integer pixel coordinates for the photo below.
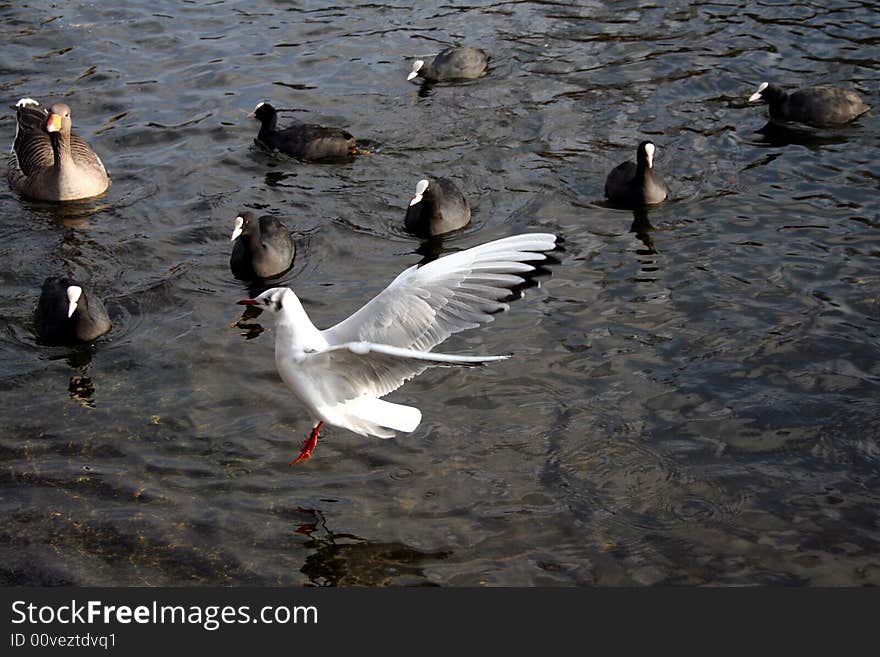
(696, 391)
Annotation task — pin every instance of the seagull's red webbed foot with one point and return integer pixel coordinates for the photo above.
(309, 445)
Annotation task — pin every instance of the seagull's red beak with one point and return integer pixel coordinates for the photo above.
(247, 302)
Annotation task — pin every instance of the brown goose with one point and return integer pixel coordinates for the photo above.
(47, 161)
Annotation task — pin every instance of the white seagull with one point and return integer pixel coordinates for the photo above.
(341, 373)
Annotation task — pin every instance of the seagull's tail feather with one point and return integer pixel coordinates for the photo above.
(369, 416)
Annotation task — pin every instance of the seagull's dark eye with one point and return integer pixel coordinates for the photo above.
(266, 301)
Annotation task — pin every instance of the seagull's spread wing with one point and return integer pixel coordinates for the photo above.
(425, 305)
(343, 372)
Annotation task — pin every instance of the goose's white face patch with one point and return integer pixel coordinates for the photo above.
(417, 66)
(74, 292)
(757, 95)
(649, 151)
(239, 224)
(421, 186)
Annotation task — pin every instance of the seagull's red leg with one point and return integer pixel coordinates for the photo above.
(309, 445)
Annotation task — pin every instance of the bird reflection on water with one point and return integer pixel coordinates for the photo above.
(81, 387)
(642, 228)
(780, 135)
(343, 559)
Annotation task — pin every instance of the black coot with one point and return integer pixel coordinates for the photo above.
(438, 207)
(635, 183)
(66, 313)
(305, 141)
(263, 247)
(456, 63)
(820, 107)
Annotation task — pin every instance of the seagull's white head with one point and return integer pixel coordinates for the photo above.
(74, 292)
(417, 66)
(273, 299)
(295, 329)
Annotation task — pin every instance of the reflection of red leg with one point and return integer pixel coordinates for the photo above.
(309, 445)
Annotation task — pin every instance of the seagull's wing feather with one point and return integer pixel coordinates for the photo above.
(347, 371)
(425, 305)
